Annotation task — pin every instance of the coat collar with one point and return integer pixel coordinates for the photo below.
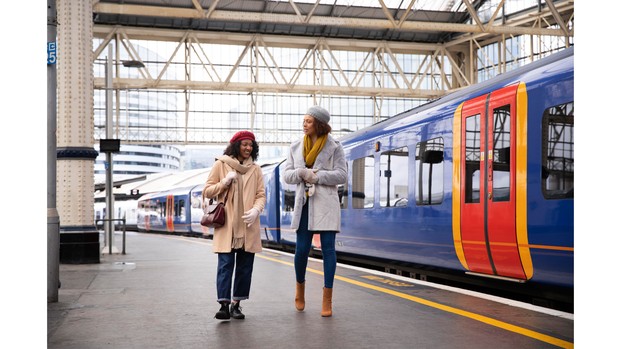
(328, 149)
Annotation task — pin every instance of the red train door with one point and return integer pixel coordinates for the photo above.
(169, 213)
(487, 184)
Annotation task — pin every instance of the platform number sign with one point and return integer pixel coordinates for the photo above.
(51, 52)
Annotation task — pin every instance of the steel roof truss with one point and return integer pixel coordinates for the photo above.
(257, 48)
(133, 53)
(209, 64)
(239, 60)
(293, 19)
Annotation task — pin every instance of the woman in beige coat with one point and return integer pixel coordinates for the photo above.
(235, 174)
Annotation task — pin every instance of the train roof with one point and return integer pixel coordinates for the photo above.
(409, 116)
(157, 182)
(165, 181)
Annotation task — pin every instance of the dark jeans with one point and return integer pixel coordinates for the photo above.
(303, 246)
(243, 275)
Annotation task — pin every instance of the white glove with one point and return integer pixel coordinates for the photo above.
(229, 178)
(308, 175)
(250, 216)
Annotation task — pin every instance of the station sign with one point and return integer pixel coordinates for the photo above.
(51, 52)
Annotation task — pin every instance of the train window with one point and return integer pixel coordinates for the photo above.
(429, 174)
(472, 159)
(161, 209)
(501, 153)
(558, 154)
(393, 176)
(343, 196)
(363, 185)
(343, 193)
(288, 201)
(196, 199)
(181, 210)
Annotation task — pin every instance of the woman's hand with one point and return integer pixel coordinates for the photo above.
(250, 216)
(232, 175)
(308, 175)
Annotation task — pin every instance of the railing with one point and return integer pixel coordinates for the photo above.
(109, 238)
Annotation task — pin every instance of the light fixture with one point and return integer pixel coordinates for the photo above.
(133, 64)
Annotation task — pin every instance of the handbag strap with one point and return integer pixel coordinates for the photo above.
(211, 199)
(225, 198)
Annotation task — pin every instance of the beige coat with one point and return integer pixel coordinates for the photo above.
(253, 197)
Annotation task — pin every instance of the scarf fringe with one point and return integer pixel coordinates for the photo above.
(237, 243)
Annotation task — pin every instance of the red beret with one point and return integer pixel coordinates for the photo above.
(241, 135)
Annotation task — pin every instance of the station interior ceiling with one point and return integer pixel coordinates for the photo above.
(446, 22)
(445, 32)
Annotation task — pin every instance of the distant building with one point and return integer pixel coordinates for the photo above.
(134, 110)
(137, 160)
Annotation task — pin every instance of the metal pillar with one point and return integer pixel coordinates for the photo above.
(53, 220)
(109, 167)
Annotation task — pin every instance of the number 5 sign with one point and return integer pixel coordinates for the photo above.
(51, 52)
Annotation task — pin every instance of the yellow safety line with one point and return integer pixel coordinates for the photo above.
(484, 319)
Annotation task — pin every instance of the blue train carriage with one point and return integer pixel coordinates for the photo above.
(169, 211)
(479, 181)
(124, 209)
(196, 212)
(277, 216)
(149, 216)
(270, 217)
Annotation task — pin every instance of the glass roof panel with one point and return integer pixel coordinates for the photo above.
(510, 6)
(429, 5)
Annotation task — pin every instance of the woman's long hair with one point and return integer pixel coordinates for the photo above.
(322, 128)
(234, 150)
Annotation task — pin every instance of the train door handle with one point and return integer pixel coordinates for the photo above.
(490, 195)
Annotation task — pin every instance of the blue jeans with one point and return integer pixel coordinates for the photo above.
(243, 275)
(302, 251)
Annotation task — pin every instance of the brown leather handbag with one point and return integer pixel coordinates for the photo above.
(214, 214)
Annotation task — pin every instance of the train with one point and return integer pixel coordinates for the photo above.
(126, 208)
(479, 183)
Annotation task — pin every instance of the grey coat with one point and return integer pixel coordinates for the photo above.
(324, 205)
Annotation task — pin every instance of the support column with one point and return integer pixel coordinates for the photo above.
(79, 239)
(53, 247)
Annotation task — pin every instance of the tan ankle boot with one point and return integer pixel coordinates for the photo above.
(300, 300)
(327, 302)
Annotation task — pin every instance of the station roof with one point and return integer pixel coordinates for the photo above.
(422, 21)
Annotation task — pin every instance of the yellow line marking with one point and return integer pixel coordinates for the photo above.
(484, 319)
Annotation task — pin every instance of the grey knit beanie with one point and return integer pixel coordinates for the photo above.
(319, 113)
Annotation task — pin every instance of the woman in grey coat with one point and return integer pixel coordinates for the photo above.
(316, 164)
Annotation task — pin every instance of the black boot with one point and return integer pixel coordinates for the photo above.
(235, 311)
(223, 313)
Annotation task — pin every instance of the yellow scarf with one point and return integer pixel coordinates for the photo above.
(312, 151)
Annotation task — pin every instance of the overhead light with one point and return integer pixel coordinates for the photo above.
(133, 64)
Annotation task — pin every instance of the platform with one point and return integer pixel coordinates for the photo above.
(161, 294)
